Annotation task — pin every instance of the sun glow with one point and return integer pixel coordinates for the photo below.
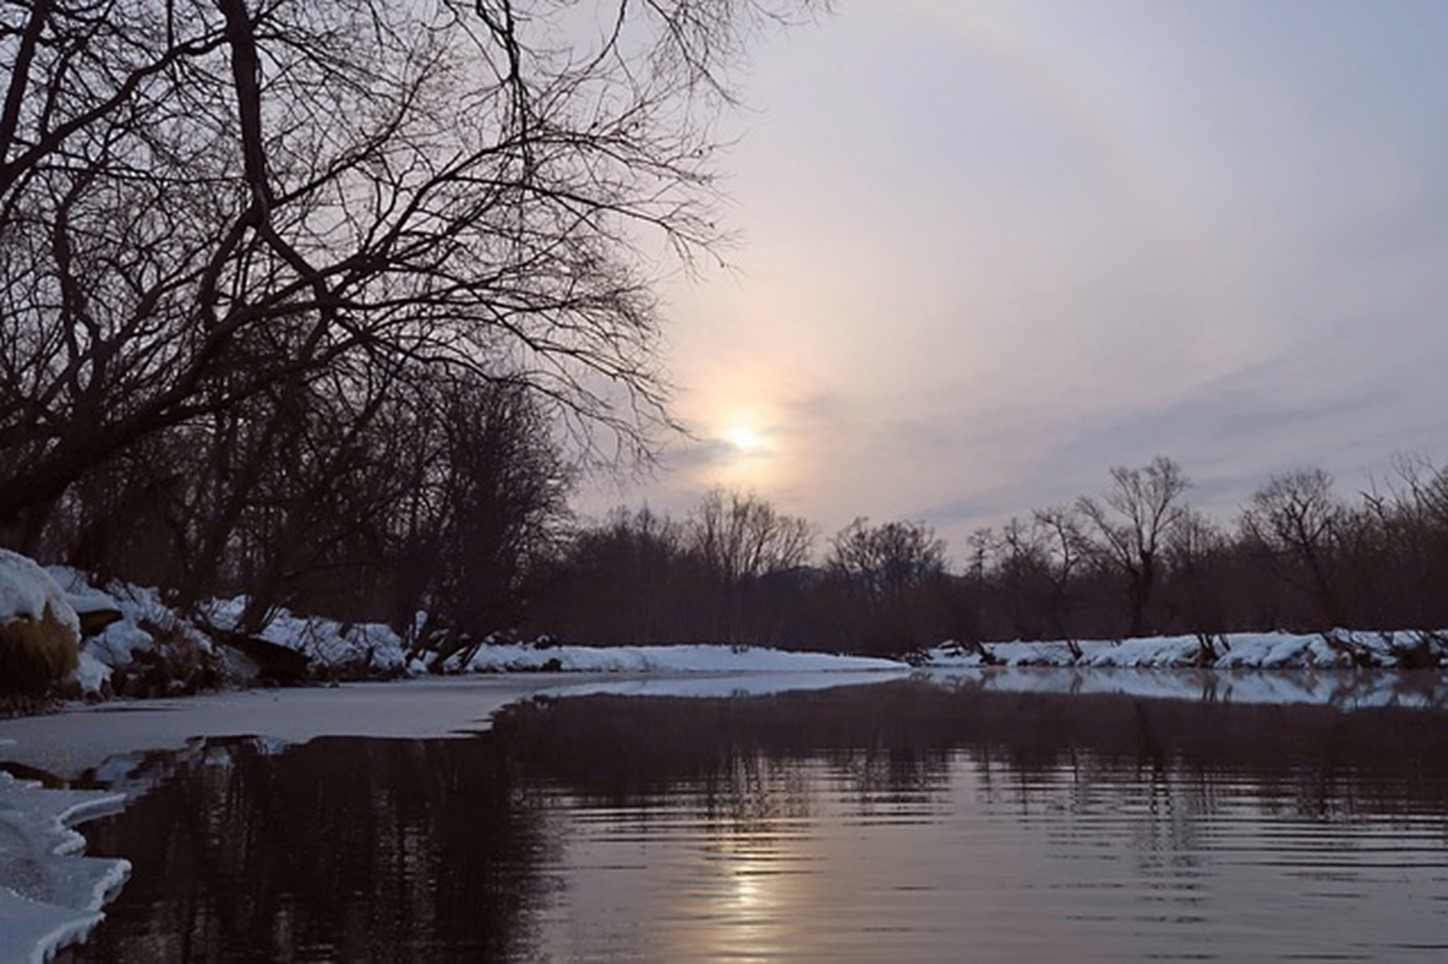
(745, 439)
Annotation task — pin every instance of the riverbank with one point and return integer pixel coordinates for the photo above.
(132, 644)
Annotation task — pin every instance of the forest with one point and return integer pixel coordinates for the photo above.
(1134, 560)
(465, 516)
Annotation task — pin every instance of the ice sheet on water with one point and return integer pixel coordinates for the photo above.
(709, 685)
(50, 895)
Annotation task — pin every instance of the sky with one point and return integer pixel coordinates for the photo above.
(990, 250)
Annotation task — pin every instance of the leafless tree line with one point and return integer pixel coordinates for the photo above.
(1133, 560)
(293, 293)
(737, 570)
(362, 502)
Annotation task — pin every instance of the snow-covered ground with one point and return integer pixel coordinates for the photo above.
(670, 659)
(1338, 649)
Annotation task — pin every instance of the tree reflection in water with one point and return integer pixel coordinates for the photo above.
(901, 737)
(340, 849)
(346, 849)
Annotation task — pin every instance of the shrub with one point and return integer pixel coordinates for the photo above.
(36, 654)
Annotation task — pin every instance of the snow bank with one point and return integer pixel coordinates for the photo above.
(337, 650)
(693, 658)
(51, 895)
(372, 650)
(26, 590)
(359, 649)
(1339, 648)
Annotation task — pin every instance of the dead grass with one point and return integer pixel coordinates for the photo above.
(36, 655)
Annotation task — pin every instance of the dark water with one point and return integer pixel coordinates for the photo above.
(895, 822)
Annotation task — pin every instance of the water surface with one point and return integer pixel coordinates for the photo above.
(902, 821)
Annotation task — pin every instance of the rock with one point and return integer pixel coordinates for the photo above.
(274, 664)
(93, 622)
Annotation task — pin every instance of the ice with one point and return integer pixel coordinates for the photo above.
(69, 743)
(50, 895)
(32, 931)
(708, 685)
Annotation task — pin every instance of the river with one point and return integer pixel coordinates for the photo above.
(907, 820)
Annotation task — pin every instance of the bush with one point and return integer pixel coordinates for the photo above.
(36, 654)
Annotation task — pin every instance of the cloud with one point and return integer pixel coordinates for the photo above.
(955, 310)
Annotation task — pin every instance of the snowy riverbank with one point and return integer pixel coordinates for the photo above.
(1338, 649)
(134, 644)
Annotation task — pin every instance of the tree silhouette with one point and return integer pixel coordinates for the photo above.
(204, 200)
(1132, 522)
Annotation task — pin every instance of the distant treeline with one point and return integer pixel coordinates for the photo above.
(450, 497)
(1136, 560)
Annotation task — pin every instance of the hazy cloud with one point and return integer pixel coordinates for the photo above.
(994, 248)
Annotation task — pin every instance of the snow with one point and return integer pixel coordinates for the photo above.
(26, 589)
(91, 673)
(139, 606)
(1234, 651)
(83, 597)
(51, 895)
(116, 646)
(360, 647)
(692, 658)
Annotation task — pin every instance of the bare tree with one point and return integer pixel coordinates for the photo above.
(890, 586)
(1196, 555)
(1411, 523)
(1298, 518)
(203, 199)
(1065, 548)
(740, 536)
(1021, 576)
(886, 560)
(739, 539)
(1131, 522)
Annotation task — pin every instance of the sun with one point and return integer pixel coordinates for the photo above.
(745, 439)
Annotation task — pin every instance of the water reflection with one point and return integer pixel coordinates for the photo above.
(897, 821)
(335, 850)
